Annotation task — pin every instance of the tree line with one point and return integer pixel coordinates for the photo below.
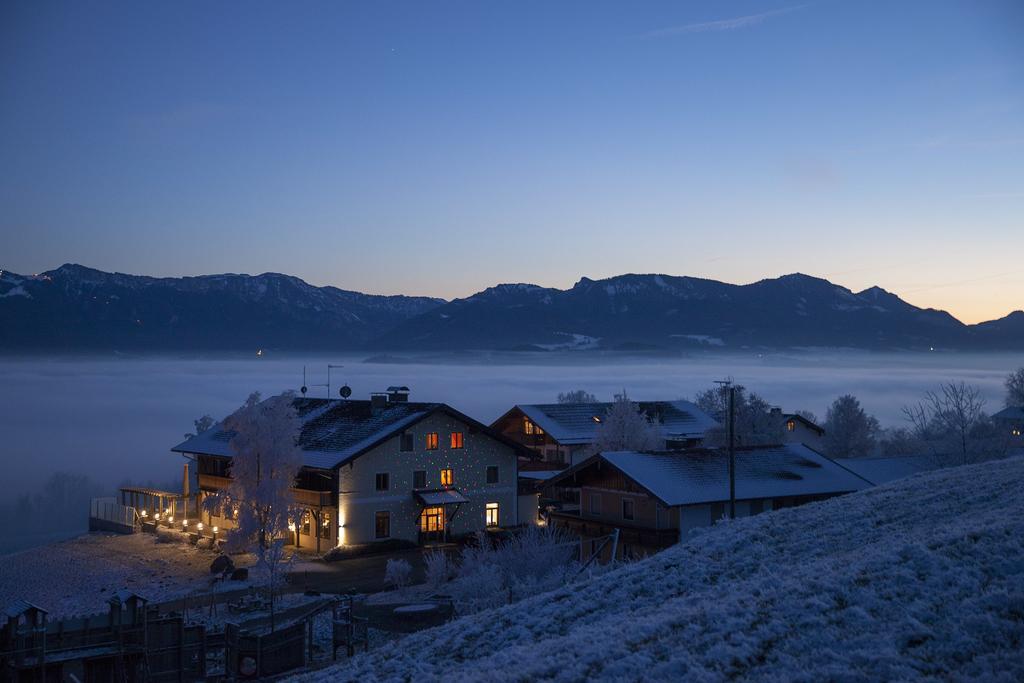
(949, 424)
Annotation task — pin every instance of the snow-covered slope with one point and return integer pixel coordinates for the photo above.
(919, 579)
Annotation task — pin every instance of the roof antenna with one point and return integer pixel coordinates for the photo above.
(303, 389)
(329, 368)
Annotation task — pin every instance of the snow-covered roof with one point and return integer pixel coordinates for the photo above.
(538, 474)
(701, 475)
(336, 431)
(575, 424)
(882, 470)
(807, 423)
(16, 608)
(1010, 413)
(441, 497)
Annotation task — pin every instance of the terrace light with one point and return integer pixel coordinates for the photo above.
(184, 523)
(170, 519)
(199, 527)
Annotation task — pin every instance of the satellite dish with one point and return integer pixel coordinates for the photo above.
(345, 391)
(303, 389)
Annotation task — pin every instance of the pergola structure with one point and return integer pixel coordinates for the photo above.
(154, 500)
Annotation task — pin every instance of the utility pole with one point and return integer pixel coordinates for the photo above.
(732, 445)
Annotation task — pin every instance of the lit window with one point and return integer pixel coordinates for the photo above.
(432, 441)
(447, 477)
(527, 426)
(325, 526)
(406, 443)
(1015, 431)
(492, 474)
(627, 508)
(419, 479)
(382, 525)
(305, 523)
(383, 481)
(492, 514)
(791, 426)
(596, 418)
(456, 440)
(432, 519)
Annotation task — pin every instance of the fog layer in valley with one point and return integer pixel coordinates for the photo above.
(116, 419)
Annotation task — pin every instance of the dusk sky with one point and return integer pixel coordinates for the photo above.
(439, 149)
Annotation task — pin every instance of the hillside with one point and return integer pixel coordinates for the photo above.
(923, 578)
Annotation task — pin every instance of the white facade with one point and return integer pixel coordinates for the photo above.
(360, 498)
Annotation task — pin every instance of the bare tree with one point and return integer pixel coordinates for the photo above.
(577, 396)
(624, 427)
(849, 431)
(1015, 389)
(951, 420)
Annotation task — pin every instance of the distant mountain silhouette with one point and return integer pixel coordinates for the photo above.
(637, 312)
(74, 308)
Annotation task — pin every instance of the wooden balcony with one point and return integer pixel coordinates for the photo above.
(304, 497)
(211, 482)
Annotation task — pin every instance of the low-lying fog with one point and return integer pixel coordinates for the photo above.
(116, 419)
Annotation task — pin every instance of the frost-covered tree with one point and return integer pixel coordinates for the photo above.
(953, 424)
(266, 460)
(1015, 389)
(849, 431)
(755, 423)
(577, 396)
(398, 573)
(624, 427)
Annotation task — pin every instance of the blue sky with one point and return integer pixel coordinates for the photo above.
(440, 148)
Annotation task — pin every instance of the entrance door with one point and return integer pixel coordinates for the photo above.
(432, 523)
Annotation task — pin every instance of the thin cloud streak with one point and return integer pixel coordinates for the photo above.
(720, 24)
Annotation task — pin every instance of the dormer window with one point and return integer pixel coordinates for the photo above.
(527, 426)
(791, 426)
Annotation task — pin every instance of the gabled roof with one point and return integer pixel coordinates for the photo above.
(18, 607)
(334, 432)
(804, 421)
(574, 423)
(882, 470)
(701, 475)
(1010, 413)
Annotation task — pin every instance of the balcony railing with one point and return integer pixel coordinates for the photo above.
(306, 497)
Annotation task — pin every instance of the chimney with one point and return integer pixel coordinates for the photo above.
(398, 394)
(377, 402)
(776, 411)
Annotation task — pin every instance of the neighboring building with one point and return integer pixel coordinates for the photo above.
(883, 470)
(1011, 421)
(384, 469)
(655, 498)
(562, 433)
(798, 429)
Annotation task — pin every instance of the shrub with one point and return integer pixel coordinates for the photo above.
(398, 573)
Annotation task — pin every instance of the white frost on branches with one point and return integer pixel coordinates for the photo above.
(267, 459)
(624, 427)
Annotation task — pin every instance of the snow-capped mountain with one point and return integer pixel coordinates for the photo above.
(77, 308)
(664, 312)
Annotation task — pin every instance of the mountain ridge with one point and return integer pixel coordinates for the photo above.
(75, 307)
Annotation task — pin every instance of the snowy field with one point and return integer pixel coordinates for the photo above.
(922, 579)
(78, 576)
